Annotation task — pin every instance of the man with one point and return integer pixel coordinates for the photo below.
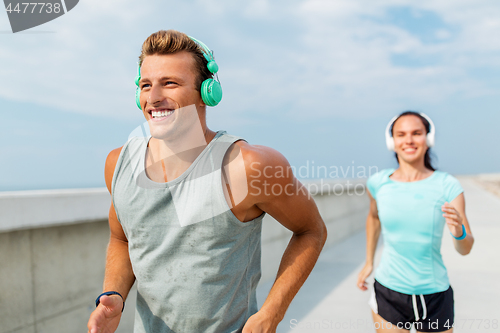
(187, 209)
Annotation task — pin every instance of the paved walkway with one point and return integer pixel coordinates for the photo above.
(330, 302)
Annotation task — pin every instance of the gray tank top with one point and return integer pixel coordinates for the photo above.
(196, 265)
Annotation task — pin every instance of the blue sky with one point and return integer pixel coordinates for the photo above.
(316, 80)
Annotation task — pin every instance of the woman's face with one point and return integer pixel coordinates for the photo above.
(410, 139)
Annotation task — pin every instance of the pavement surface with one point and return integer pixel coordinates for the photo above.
(329, 301)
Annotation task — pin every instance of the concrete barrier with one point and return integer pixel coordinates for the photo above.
(53, 244)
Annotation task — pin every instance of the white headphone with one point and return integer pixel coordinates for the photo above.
(430, 138)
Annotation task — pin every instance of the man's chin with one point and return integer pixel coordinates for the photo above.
(161, 133)
(161, 129)
(161, 137)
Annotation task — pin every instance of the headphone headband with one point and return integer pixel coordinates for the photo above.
(430, 137)
(207, 53)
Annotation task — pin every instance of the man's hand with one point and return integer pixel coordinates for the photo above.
(260, 323)
(106, 316)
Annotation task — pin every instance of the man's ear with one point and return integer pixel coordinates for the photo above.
(201, 103)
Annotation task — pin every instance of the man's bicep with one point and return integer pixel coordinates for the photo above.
(275, 190)
(294, 207)
(115, 226)
(110, 165)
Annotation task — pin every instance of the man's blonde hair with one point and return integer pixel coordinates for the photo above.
(172, 41)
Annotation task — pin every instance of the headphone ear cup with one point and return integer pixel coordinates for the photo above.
(429, 140)
(138, 97)
(211, 92)
(389, 141)
(137, 90)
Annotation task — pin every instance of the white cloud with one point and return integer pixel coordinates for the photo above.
(77, 68)
(323, 57)
(342, 59)
(257, 8)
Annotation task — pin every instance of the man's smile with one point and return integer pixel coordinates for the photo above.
(160, 114)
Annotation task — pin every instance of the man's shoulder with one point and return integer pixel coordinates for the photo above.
(113, 157)
(257, 157)
(252, 169)
(110, 165)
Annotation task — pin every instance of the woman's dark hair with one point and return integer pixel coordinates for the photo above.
(427, 157)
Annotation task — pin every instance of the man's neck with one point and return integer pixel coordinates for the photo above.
(175, 156)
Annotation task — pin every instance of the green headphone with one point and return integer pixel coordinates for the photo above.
(211, 90)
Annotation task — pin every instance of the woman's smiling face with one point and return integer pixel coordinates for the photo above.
(410, 135)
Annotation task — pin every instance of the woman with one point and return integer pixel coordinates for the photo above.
(411, 205)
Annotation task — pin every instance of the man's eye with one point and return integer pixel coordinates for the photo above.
(146, 85)
(170, 82)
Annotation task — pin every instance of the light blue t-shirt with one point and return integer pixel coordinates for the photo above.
(412, 228)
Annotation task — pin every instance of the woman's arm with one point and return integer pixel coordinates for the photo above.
(372, 234)
(455, 218)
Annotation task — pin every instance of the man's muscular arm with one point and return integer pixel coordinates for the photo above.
(119, 275)
(274, 189)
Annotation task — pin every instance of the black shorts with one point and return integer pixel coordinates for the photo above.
(428, 313)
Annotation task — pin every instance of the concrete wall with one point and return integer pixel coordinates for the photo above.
(48, 277)
(343, 211)
(53, 243)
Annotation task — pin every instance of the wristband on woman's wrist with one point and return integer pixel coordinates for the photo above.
(109, 293)
(464, 234)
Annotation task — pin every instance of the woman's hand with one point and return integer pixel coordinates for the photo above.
(363, 275)
(453, 219)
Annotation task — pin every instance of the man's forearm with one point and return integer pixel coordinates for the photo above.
(298, 260)
(119, 275)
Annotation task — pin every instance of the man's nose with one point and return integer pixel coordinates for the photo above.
(155, 95)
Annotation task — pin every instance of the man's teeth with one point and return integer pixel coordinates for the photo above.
(159, 114)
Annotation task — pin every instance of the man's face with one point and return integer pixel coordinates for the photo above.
(168, 98)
